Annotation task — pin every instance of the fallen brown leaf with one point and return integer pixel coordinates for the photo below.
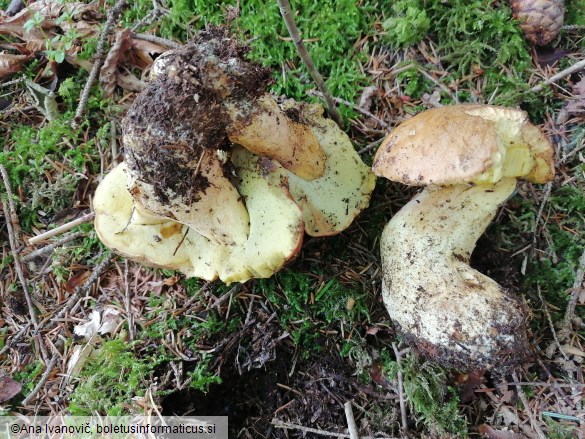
(9, 388)
(489, 432)
(141, 52)
(116, 56)
(76, 281)
(11, 64)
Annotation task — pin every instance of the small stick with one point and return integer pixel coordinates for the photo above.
(400, 390)
(41, 382)
(99, 59)
(545, 384)
(14, 7)
(554, 78)
(81, 291)
(157, 40)
(22, 279)
(13, 82)
(545, 199)
(290, 426)
(12, 210)
(353, 431)
(550, 323)
(526, 404)
(439, 84)
(61, 229)
(128, 301)
(49, 248)
(576, 291)
(370, 146)
(287, 16)
(225, 297)
(249, 314)
(354, 107)
(15, 338)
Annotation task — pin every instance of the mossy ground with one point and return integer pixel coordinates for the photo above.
(316, 334)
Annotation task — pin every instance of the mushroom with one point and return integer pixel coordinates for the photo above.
(178, 131)
(281, 207)
(222, 178)
(469, 157)
(275, 237)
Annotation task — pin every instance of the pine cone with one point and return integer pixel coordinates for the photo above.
(540, 20)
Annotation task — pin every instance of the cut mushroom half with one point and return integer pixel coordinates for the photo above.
(469, 157)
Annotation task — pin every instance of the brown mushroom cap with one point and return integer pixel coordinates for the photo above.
(465, 143)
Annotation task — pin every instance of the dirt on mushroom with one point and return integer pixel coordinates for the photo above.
(181, 103)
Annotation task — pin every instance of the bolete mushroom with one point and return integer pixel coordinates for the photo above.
(469, 157)
(222, 178)
(178, 130)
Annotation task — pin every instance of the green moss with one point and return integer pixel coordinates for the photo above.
(433, 402)
(469, 36)
(330, 30)
(201, 377)
(556, 278)
(110, 379)
(29, 374)
(408, 23)
(307, 306)
(575, 13)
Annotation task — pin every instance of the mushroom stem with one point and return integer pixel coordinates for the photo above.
(265, 129)
(469, 320)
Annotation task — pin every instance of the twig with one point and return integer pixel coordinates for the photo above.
(545, 384)
(12, 210)
(290, 426)
(158, 40)
(287, 16)
(100, 57)
(14, 7)
(354, 107)
(400, 390)
(14, 250)
(49, 248)
(533, 421)
(576, 291)
(353, 431)
(554, 78)
(15, 338)
(61, 229)
(82, 291)
(128, 304)
(370, 146)
(439, 84)
(42, 381)
(550, 323)
(545, 199)
(225, 297)
(155, 13)
(250, 307)
(13, 82)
